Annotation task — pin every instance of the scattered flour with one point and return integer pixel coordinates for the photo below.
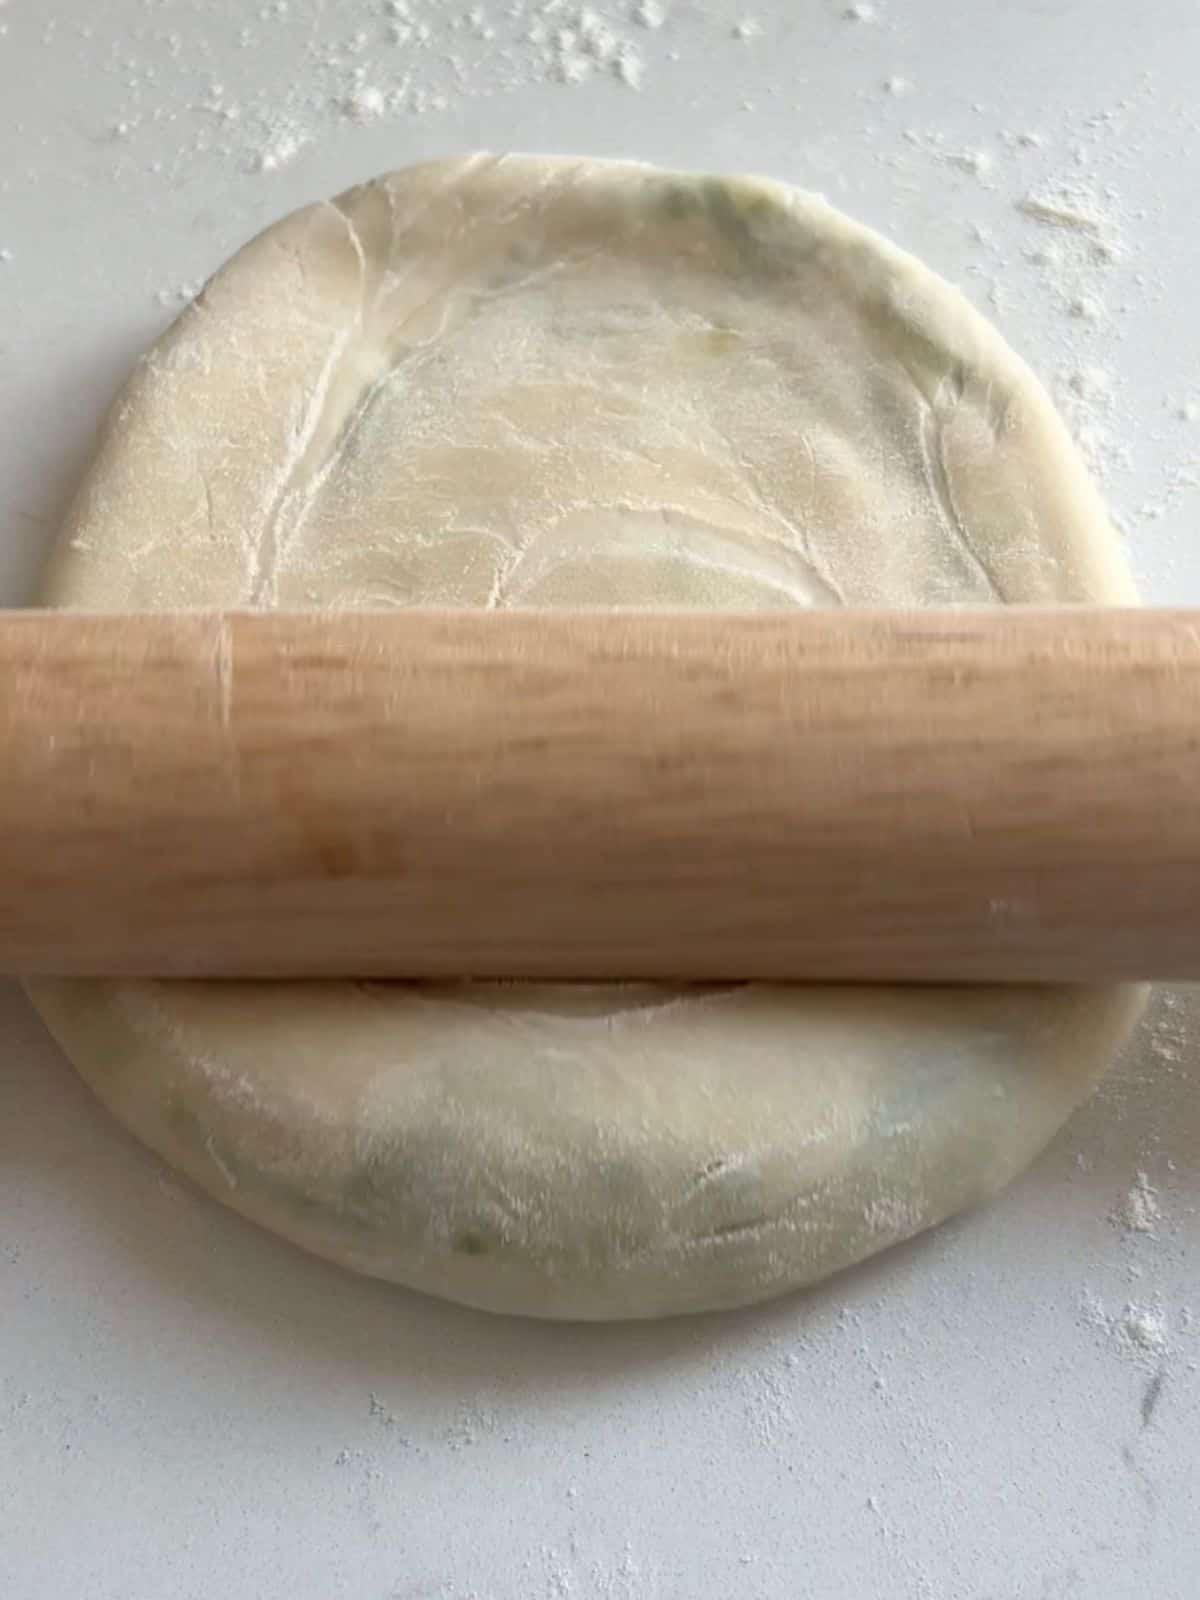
(1087, 307)
(380, 1413)
(1140, 1331)
(978, 163)
(1082, 244)
(1021, 139)
(279, 150)
(1140, 1211)
(365, 104)
(1145, 1327)
(769, 1405)
(568, 1575)
(1093, 384)
(630, 67)
(650, 13)
(1168, 1036)
(179, 294)
(597, 38)
(469, 1426)
(1056, 212)
(399, 59)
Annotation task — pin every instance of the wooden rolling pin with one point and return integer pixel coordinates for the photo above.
(995, 795)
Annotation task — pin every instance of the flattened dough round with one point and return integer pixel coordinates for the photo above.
(539, 382)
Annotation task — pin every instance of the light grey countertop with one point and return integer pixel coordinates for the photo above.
(1007, 1408)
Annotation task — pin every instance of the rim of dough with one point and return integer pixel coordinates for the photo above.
(585, 1151)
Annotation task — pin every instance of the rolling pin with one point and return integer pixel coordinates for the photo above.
(995, 795)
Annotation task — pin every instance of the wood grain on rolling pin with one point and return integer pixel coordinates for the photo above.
(998, 795)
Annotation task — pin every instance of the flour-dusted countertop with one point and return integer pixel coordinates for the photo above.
(1007, 1408)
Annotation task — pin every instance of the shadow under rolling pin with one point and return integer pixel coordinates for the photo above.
(997, 795)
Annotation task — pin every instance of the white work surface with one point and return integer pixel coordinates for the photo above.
(1009, 1407)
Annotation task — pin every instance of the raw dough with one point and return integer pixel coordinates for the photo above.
(544, 382)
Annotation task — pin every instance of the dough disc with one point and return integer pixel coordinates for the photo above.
(540, 382)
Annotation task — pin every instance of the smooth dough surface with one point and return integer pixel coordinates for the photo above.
(537, 382)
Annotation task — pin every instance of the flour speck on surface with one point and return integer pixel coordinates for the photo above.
(279, 150)
(650, 13)
(380, 1413)
(1086, 307)
(365, 104)
(630, 67)
(1168, 1036)
(1064, 211)
(1092, 383)
(1140, 1331)
(179, 294)
(1140, 1211)
(978, 163)
(1145, 1327)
